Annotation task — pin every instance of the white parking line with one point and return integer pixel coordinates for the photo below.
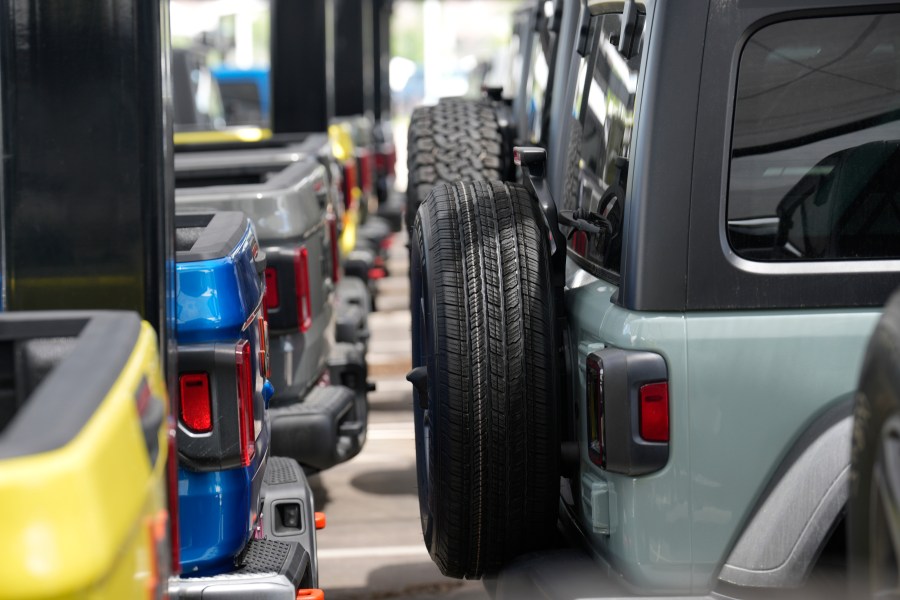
(391, 434)
(391, 431)
(377, 425)
(393, 384)
(372, 552)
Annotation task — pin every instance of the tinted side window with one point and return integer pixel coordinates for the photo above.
(601, 143)
(815, 160)
(538, 77)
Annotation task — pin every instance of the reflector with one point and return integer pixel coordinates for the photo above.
(245, 378)
(272, 299)
(196, 404)
(301, 284)
(654, 413)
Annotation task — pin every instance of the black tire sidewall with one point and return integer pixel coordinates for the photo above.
(487, 475)
(876, 401)
(423, 328)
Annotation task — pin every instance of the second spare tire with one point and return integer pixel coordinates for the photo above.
(459, 139)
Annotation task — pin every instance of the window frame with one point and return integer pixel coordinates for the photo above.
(742, 252)
(718, 278)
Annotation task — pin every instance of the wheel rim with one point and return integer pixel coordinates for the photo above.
(884, 525)
(421, 416)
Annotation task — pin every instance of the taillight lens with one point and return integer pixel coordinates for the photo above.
(301, 281)
(385, 159)
(157, 528)
(595, 422)
(172, 491)
(391, 160)
(335, 251)
(366, 164)
(579, 243)
(272, 298)
(263, 326)
(654, 412)
(245, 378)
(196, 403)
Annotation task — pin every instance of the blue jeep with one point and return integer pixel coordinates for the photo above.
(225, 493)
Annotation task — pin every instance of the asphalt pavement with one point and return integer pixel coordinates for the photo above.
(372, 545)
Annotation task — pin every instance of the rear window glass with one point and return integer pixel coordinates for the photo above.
(600, 144)
(815, 159)
(539, 74)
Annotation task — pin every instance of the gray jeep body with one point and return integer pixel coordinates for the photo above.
(291, 197)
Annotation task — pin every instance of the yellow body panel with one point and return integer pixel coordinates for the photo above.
(222, 136)
(348, 235)
(341, 137)
(77, 522)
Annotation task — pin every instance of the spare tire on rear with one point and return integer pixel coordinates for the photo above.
(486, 369)
(457, 139)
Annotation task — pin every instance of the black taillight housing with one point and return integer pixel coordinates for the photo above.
(627, 396)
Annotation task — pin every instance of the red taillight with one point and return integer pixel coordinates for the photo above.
(654, 412)
(157, 530)
(272, 298)
(301, 284)
(385, 159)
(596, 426)
(172, 491)
(391, 160)
(579, 242)
(349, 183)
(245, 378)
(366, 165)
(196, 403)
(263, 326)
(335, 255)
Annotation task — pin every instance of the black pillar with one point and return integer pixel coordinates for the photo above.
(382, 56)
(302, 75)
(87, 190)
(354, 86)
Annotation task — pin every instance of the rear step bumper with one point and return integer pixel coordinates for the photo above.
(322, 430)
(273, 568)
(268, 586)
(352, 311)
(268, 569)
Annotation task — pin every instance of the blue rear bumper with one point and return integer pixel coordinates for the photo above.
(212, 518)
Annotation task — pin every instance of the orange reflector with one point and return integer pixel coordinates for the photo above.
(311, 594)
(320, 520)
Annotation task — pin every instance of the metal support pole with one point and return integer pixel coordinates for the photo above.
(302, 65)
(354, 87)
(87, 191)
(382, 56)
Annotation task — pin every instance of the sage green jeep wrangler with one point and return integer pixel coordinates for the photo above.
(655, 352)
